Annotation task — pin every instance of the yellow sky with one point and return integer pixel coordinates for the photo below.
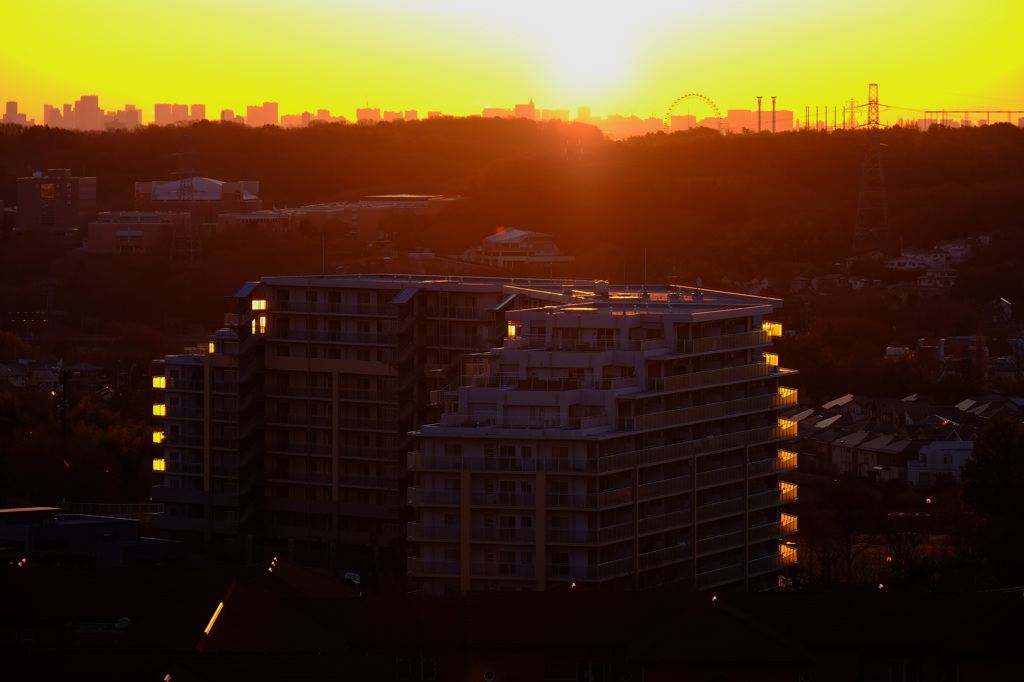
(458, 56)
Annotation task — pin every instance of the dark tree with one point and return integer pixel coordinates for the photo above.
(993, 478)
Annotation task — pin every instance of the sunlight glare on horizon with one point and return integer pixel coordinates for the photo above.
(453, 55)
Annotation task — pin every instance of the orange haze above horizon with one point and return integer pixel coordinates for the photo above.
(459, 56)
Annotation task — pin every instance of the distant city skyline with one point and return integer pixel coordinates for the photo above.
(459, 57)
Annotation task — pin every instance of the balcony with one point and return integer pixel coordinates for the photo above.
(662, 557)
(667, 487)
(500, 499)
(662, 522)
(719, 576)
(497, 570)
(716, 510)
(589, 536)
(330, 308)
(787, 556)
(786, 492)
(719, 543)
(729, 474)
(786, 461)
(607, 499)
(418, 567)
(769, 531)
(417, 530)
(419, 496)
(616, 568)
(175, 412)
(298, 477)
(498, 534)
(726, 375)
(713, 344)
(317, 393)
(729, 408)
(174, 467)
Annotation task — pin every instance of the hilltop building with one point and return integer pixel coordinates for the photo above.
(55, 203)
(617, 436)
(209, 198)
(510, 248)
(129, 232)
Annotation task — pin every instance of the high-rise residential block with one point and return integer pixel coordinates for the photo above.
(511, 433)
(619, 440)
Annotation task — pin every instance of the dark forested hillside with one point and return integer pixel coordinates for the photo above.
(683, 204)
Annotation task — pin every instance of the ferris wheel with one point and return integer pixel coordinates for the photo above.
(693, 104)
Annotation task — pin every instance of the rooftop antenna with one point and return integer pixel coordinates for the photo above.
(643, 291)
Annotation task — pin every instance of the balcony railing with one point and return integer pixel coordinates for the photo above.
(608, 463)
(498, 570)
(724, 342)
(417, 566)
(418, 496)
(720, 542)
(784, 397)
(719, 576)
(711, 377)
(503, 499)
(609, 498)
(299, 477)
(786, 492)
(729, 474)
(417, 530)
(608, 570)
(377, 310)
(662, 522)
(671, 486)
(496, 534)
(589, 536)
(661, 557)
(786, 461)
(714, 510)
(773, 562)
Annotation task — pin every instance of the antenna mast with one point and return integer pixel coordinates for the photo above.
(872, 208)
(185, 244)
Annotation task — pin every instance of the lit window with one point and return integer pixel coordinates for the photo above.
(773, 328)
(159, 382)
(159, 410)
(158, 436)
(213, 347)
(259, 325)
(259, 304)
(159, 465)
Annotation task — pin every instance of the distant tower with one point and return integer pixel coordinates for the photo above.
(759, 113)
(872, 226)
(185, 244)
(773, 113)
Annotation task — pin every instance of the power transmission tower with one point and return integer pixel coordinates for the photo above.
(185, 244)
(872, 226)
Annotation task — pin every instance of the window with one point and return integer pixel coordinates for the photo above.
(159, 465)
(259, 304)
(159, 382)
(159, 410)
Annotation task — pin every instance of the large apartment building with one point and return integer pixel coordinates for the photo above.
(566, 432)
(288, 432)
(626, 439)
